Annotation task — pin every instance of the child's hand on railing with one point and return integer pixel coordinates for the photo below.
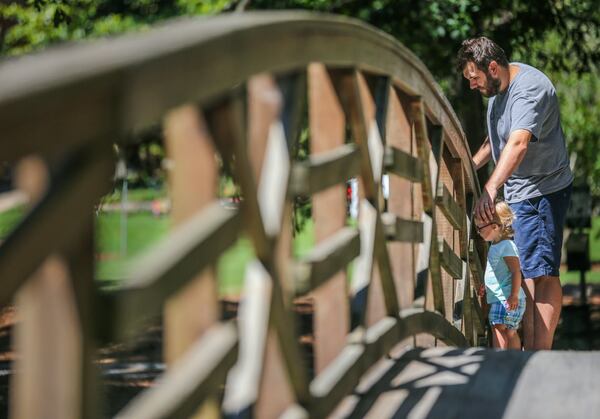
(481, 290)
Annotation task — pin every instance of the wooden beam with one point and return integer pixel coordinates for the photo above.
(400, 230)
(403, 164)
(475, 265)
(325, 169)
(196, 376)
(83, 178)
(449, 260)
(169, 265)
(325, 259)
(453, 212)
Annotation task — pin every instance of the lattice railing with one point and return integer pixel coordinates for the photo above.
(239, 90)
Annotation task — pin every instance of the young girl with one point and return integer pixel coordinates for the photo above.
(503, 279)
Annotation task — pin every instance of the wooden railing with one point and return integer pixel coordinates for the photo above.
(238, 91)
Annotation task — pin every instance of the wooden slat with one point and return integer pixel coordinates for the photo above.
(479, 319)
(342, 376)
(457, 173)
(388, 286)
(83, 178)
(327, 128)
(243, 381)
(326, 169)
(449, 260)
(326, 258)
(450, 207)
(226, 120)
(350, 87)
(403, 164)
(401, 230)
(459, 294)
(190, 380)
(401, 199)
(468, 307)
(475, 265)
(169, 265)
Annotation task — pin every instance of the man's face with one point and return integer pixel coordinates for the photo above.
(487, 84)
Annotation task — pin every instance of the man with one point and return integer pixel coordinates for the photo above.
(527, 144)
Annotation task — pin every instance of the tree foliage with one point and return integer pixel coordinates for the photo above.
(561, 37)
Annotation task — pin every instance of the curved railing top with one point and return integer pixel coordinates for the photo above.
(111, 87)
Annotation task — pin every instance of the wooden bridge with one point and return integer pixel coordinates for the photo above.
(241, 93)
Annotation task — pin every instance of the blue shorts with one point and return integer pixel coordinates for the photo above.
(538, 225)
(511, 318)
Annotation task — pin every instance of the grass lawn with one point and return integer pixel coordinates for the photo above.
(145, 229)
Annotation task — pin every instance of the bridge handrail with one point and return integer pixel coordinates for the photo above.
(234, 86)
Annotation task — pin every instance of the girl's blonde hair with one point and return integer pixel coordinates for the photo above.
(504, 217)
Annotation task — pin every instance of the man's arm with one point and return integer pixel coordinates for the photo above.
(512, 155)
(483, 155)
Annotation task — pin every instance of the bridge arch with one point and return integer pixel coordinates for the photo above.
(241, 90)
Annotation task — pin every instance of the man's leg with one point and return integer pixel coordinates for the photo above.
(548, 304)
(529, 317)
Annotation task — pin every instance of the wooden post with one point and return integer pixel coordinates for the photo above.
(327, 131)
(192, 183)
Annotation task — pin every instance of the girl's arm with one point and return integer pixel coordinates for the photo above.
(515, 269)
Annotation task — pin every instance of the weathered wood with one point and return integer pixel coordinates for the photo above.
(226, 120)
(73, 190)
(403, 164)
(401, 230)
(193, 309)
(169, 265)
(49, 360)
(450, 207)
(192, 379)
(327, 124)
(457, 173)
(475, 265)
(384, 269)
(325, 259)
(325, 169)
(243, 381)
(401, 200)
(449, 260)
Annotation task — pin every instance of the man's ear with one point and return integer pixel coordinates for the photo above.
(493, 68)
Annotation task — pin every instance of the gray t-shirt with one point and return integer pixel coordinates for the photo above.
(530, 103)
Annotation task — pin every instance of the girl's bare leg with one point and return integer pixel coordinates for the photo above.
(514, 342)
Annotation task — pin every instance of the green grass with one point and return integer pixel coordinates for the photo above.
(144, 230)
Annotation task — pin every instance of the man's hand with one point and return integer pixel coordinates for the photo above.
(512, 302)
(485, 208)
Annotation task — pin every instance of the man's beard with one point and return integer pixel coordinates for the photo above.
(492, 86)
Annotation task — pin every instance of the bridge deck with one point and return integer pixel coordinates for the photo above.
(476, 383)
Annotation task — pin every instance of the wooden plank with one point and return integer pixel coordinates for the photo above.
(243, 381)
(226, 120)
(363, 267)
(337, 380)
(401, 230)
(401, 200)
(327, 124)
(450, 207)
(193, 378)
(449, 260)
(403, 164)
(74, 189)
(50, 361)
(475, 265)
(195, 308)
(468, 307)
(459, 294)
(354, 97)
(169, 265)
(325, 169)
(326, 258)
(386, 278)
(458, 175)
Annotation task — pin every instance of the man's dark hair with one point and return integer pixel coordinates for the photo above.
(480, 51)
